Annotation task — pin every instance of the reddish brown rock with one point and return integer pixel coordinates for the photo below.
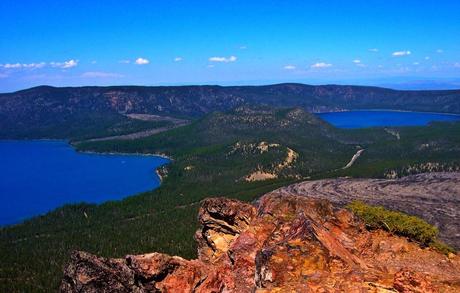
(222, 219)
(282, 244)
(430, 196)
(412, 282)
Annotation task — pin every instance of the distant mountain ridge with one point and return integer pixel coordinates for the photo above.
(43, 110)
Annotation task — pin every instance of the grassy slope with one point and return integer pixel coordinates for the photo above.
(32, 254)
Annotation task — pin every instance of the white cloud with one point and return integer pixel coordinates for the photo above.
(401, 53)
(70, 64)
(439, 51)
(66, 64)
(373, 50)
(359, 63)
(416, 63)
(289, 67)
(142, 61)
(100, 74)
(223, 59)
(15, 65)
(427, 58)
(321, 65)
(23, 65)
(34, 65)
(125, 61)
(178, 59)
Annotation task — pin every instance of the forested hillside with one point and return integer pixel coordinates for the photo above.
(92, 111)
(242, 153)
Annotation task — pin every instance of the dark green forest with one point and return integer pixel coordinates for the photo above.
(212, 156)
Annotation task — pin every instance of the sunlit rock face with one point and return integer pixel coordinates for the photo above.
(283, 243)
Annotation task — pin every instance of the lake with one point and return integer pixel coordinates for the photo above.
(372, 118)
(39, 176)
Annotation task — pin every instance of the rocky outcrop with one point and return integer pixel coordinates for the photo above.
(435, 197)
(283, 243)
(222, 220)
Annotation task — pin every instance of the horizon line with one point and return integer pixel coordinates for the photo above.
(228, 86)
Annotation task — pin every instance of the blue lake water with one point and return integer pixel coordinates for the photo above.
(361, 119)
(38, 176)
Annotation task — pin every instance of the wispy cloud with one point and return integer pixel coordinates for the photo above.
(15, 65)
(34, 65)
(142, 61)
(439, 51)
(178, 59)
(100, 74)
(457, 64)
(427, 58)
(223, 59)
(321, 65)
(243, 47)
(124, 61)
(3, 75)
(401, 53)
(289, 67)
(66, 64)
(359, 63)
(373, 50)
(210, 66)
(23, 65)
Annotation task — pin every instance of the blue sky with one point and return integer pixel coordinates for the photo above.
(85, 42)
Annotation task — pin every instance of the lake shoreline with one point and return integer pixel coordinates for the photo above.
(387, 110)
(122, 154)
(87, 152)
(366, 118)
(92, 180)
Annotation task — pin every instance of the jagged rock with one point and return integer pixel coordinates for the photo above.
(88, 273)
(222, 220)
(282, 244)
(430, 196)
(412, 282)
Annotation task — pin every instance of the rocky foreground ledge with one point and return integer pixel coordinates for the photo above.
(434, 197)
(284, 243)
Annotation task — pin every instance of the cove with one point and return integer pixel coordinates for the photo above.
(376, 118)
(39, 176)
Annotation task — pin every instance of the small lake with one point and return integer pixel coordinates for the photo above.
(372, 118)
(39, 176)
